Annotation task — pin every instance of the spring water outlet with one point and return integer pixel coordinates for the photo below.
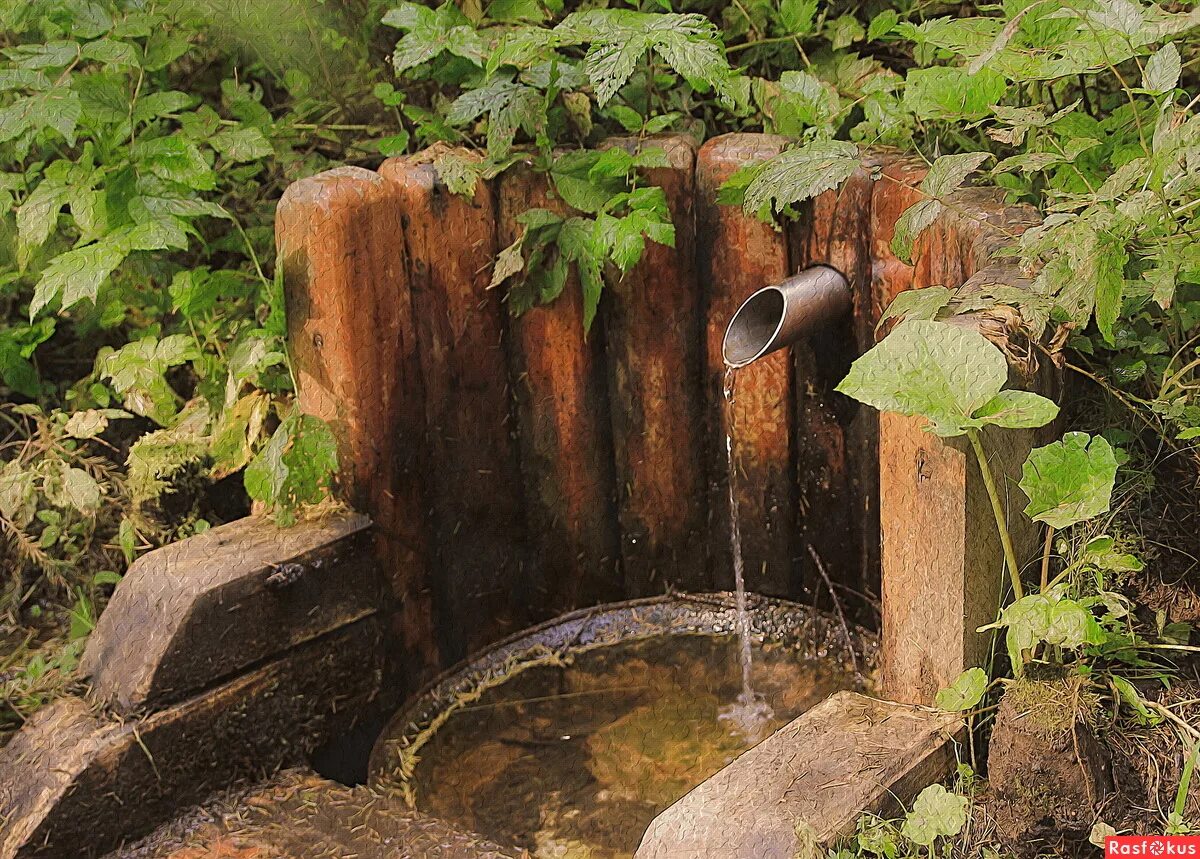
(778, 315)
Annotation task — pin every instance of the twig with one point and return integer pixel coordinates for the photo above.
(837, 607)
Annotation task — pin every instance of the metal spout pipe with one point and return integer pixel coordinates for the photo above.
(777, 316)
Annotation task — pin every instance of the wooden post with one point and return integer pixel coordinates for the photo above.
(943, 567)
(837, 465)
(472, 472)
(564, 429)
(736, 255)
(353, 348)
(654, 361)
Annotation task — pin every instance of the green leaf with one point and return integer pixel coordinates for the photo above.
(882, 24)
(110, 52)
(157, 104)
(1017, 410)
(92, 422)
(799, 174)
(964, 693)
(1069, 481)
(295, 467)
(81, 491)
(1163, 70)
(945, 176)
(936, 813)
(38, 217)
(952, 94)
(1109, 279)
(1133, 699)
(916, 304)
(244, 143)
(938, 371)
(136, 371)
(18, 493)
(58, 109)
(513, 11)
(77, 275)
(797, 16)
(175, 159)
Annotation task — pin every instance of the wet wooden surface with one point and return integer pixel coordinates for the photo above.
(736, 255)
(847, 755)
(353, 346)
(471, 466)
(565, 434)
(296, 814)
(837, 464)
(75, 783)
(653, 339)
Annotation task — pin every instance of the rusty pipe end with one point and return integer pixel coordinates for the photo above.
(778, 315)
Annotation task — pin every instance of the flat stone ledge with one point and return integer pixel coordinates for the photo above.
(196, 612)
(76, 782)
(847, 755)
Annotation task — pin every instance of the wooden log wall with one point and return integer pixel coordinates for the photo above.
(517, 468)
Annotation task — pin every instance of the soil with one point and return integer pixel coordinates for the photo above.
(1168, 520)
(1047, 770)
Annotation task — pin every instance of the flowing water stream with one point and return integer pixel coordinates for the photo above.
(750, 714)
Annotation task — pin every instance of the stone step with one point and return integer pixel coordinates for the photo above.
(299, 815)
(804, 786)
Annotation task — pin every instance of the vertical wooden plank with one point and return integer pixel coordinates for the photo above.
(471, 466)
(837, 467)
(564, 430)
(736, 255)
(895, 191)
(653, 331)
(353, 347)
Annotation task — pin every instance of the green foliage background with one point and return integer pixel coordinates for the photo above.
(144, 143)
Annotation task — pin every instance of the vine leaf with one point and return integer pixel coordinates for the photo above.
(1070, 480)
(945, 176)
(964, 693)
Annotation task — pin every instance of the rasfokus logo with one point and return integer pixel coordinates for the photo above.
(1152, 846)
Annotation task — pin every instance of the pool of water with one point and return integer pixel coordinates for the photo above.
(573, 761)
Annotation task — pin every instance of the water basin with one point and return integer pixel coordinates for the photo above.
(567, 740)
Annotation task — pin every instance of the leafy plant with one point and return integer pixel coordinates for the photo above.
(952, 377)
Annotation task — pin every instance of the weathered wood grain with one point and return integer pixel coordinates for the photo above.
(817, 774)
(471, 468)
(565, 433)
(736, 255)
(193, 613)
(837, 465)
(943, 573)
(339, 237)
(297, 814)
(76, 783)
(895, 191)
(653, 344)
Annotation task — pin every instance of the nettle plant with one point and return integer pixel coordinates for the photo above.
(139, 317)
